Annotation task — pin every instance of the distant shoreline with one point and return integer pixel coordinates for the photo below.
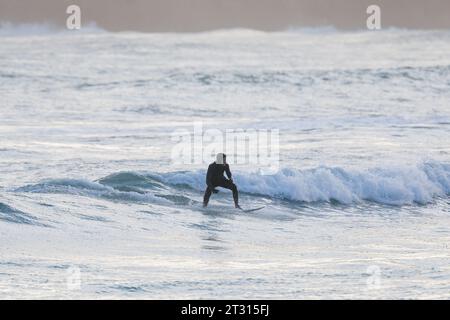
(23, 29)
(207, 15)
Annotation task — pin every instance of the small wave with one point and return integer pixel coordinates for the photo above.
(10, 214)
(145, 109)
(58, 184)
(129, 288)
(130, 179)
(117, 187)
(300, 79)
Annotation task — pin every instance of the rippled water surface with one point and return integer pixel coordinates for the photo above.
(92, 205)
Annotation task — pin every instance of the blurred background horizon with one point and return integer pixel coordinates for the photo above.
(204, 15)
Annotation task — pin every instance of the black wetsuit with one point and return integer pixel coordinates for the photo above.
(215, 178)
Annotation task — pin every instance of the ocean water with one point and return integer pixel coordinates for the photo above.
(93, 205)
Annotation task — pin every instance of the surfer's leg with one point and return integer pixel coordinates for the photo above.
(207, 195)
(235, 195)
(227, 184)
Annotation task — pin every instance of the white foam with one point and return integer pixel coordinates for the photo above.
(396, 185)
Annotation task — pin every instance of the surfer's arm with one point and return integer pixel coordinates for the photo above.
(228, 172)
(209, 177)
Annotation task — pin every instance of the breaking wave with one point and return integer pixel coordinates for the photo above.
(396, 185)
(393, 186)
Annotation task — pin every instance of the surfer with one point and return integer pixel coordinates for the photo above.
(215, 178)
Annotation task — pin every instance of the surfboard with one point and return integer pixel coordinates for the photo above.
(224, 209)
(253, 210)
